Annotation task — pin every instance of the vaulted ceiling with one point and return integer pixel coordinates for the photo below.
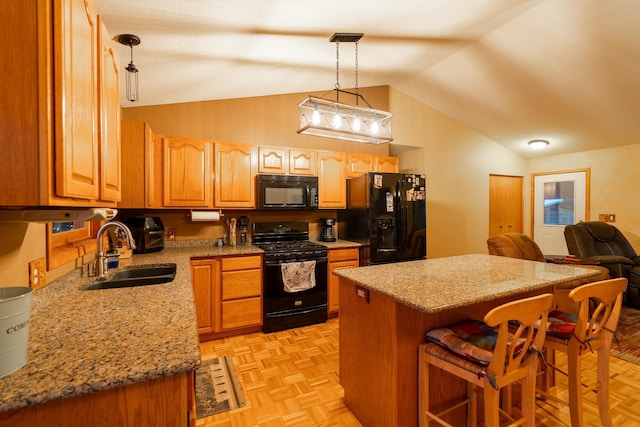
(567, 71)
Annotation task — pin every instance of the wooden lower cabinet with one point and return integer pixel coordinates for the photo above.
(228, 294)
(162, 402)
(338, 259)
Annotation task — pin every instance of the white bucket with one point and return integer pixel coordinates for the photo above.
(15, 311)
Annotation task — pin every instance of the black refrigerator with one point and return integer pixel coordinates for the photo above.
(386, 214)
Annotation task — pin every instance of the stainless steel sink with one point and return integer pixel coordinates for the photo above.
(140, 275)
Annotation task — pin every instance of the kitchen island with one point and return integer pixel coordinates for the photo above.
(111, 357)
(387, 308)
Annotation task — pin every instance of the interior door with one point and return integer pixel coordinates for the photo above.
(559, 199)
(505, 204)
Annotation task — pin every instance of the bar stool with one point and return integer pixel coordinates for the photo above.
(591, 330)
(487, 355)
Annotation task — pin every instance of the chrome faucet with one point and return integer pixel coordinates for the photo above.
(101, 258)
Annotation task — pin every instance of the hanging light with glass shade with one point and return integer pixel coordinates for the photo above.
(132, 92)
(333, 119)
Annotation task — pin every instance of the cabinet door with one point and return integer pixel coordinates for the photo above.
(204, 275)
(385, 164)
(109, 115)
(505, 204)
(303, 162)
(332, 184)
(187, 172)
(358, 164)
(273, 160)
(75, 41)
(235, 169)
(339, 258)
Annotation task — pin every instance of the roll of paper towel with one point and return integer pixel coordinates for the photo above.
(197, 216)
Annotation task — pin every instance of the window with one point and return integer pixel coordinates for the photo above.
(559, 204)
(68, 241)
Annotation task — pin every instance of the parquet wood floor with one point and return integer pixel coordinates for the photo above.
(290, 378)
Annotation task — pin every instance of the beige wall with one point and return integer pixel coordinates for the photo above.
(262, 120)
(615, 174)
(457, 162)
(20, 244)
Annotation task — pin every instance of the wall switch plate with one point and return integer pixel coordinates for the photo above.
(38, 273)
(607, 217)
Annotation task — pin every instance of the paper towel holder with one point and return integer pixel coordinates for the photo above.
(205, 216)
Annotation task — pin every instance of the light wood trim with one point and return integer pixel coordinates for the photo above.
(71, 245)
(241, 284)
(241, 313)
(161, 402)
(134, 142)
(241, 263)
(587, 207)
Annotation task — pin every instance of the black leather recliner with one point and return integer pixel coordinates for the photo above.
(603, 244)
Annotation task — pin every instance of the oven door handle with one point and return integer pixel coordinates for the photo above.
(288, 312)
(286, 261)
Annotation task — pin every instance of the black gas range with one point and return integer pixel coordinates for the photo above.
(294, 275)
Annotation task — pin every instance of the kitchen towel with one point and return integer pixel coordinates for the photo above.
(298, 276)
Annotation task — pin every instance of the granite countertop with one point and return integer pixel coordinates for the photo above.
(83, 341)
(338, 244)
(439, 284)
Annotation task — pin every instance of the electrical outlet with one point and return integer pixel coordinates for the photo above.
(38, 273)
(171, 234)
(607, 217)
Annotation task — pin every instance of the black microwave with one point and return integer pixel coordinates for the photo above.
(287, 192)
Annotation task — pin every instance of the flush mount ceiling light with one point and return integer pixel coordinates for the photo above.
(538, 144)
(333, 119)
(130, 40)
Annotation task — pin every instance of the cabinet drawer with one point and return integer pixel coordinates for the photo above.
(241, 284)
(241, 263)
(343, 254)
(241, 313)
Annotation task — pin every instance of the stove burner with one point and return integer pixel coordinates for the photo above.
(299, 245)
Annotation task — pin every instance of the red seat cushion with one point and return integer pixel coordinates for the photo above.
(561, 324)
(471, 339)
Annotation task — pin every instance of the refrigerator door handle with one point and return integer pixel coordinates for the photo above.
(401, 217)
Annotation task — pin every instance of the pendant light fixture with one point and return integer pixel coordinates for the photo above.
(130, 40)
(333, 119)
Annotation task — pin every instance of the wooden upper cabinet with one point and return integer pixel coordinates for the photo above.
(75, 70)
(109, 113)
(332, 184)
(59, 152)
(281, 160)
(236, 168)
(303, 162)
(385, 164)
(358, 164)
(273, 160)
(187, 173)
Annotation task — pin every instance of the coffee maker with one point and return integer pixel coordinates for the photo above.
(327, 232)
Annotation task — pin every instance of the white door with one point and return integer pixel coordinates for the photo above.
(560, 199)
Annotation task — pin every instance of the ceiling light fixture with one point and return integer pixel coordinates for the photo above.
(130, 40)
(333, 119)
(538, 144)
